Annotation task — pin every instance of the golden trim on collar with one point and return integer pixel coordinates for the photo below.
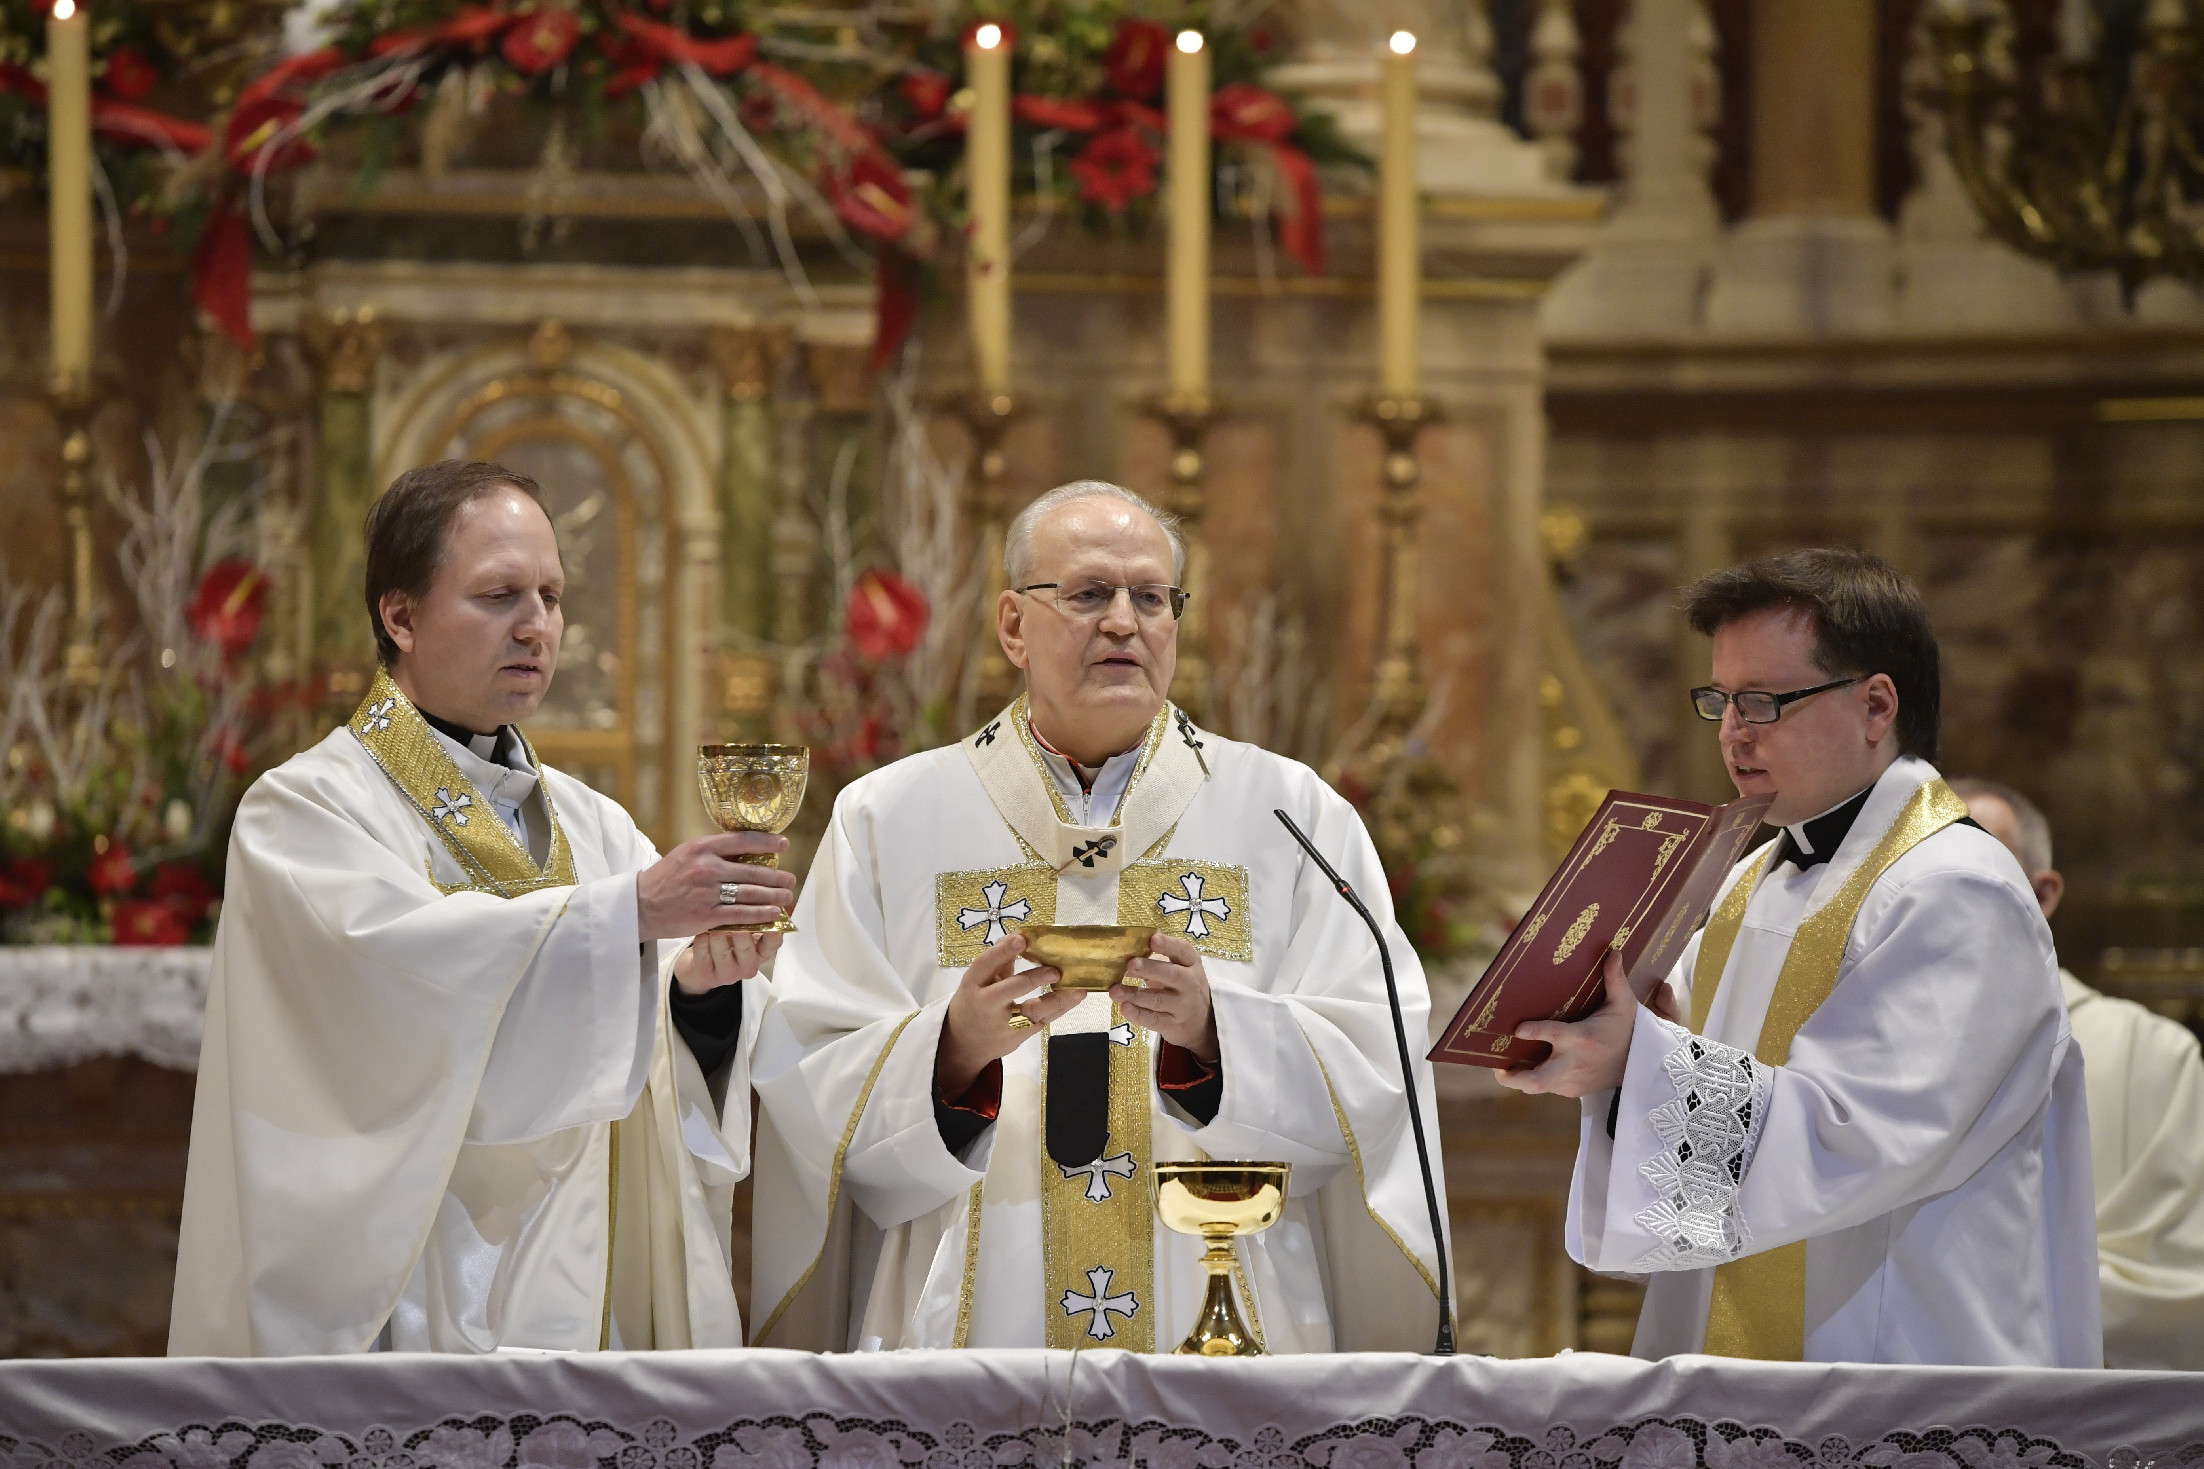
(399, 740)
(1021, 718)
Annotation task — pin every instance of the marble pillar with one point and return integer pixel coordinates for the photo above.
(1814, 257)
(1646, 274)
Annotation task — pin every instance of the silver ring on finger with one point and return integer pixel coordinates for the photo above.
(729, 895)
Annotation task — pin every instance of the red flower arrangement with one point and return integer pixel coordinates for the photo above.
(870, 196)
(1135, 62)
(184, 889)
(147, 923)
(886, 616)
(111, 872)
(128, 76)
(541, 40)
(227, 608)
(1115, 168)
(24, 882)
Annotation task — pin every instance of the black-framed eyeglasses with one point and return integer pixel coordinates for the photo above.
(1088, 600)
(1755, 706)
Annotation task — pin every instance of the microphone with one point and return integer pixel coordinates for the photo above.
(1445, 1347)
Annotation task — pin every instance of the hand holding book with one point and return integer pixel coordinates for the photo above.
(1637, 884)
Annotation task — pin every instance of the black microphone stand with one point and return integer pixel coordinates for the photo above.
(1445, 1347)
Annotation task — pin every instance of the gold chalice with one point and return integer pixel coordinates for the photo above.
(753, 788)
(1090, 956)
(1220, 1201)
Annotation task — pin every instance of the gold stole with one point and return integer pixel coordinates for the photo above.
(401, 742)
(1098, 1236)
(1759, 1305)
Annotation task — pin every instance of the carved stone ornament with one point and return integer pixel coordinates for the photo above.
(344, 345)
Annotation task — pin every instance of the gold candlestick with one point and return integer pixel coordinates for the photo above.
(1398, 686)
(988, 417)
(72, 409)
(1187, 417)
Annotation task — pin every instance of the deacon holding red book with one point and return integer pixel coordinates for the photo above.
(1853, 1126)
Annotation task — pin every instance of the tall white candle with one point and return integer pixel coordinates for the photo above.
(1187, 282)
(69, 189)
(1399, 261)
(987, 185)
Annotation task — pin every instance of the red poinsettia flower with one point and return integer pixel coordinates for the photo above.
(871, 197)
(1137, 56)
(185, 889)
(227, 608)
(112, 872)
(24, 882)
(1246, 111)
(886, 615)
(145, 923)
(927, 91)
(129, 76)
(1116, 168)
(541, 39)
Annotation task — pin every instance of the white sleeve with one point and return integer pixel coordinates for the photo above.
(1936, 1048)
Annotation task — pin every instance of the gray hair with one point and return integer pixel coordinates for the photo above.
(2031, 831)
(1018, 540)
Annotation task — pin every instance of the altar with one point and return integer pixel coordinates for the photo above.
(981, 1409)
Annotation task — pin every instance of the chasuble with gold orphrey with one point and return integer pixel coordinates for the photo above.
(440, 1104)
(868, 1231)
(1872, 1144)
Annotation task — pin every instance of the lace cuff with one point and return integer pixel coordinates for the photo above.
(1708, 1131)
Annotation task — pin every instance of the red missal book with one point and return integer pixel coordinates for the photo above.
(1640, 879)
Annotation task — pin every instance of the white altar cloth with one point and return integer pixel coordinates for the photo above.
(65, 1003)
(998, 1409)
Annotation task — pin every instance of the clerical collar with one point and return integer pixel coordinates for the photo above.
(1089, 790)
(1811, 842)
(500, 748)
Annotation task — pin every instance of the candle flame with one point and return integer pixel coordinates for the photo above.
(64, 9)
(1190, 41)
(1403, 42)
(987, 37)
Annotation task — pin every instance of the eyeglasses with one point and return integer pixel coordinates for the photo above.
(1152, 601)
(1754, 706)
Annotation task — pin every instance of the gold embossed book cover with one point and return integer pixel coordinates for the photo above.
(1640, 879)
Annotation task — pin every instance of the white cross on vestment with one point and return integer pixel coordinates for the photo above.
(1120, 1034)
(378, 715)
(453, 808)
(1100, 1303)
(1198, 909)
(1098, 1174)
(995, 912)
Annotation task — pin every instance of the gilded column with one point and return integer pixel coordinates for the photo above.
(345, 345)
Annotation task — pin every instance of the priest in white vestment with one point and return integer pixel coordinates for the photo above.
(1870, 1143)
(947, 1158)
(2146, 1132)
(458, 1091)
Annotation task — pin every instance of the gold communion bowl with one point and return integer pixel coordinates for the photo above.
(1090, 956)
(1219, 1202)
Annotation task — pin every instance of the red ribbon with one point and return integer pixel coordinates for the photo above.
(1245, 113)
(222, 269)
(125, 123)
(719, 58)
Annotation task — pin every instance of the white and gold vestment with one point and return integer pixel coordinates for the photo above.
(440, 1103)
(1875, 1147)
(869, 1231)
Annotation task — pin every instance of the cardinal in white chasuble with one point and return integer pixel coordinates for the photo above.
(465, 1087)
(952, 1154)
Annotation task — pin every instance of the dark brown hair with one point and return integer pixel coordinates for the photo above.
(1867, 619)
(407, 527)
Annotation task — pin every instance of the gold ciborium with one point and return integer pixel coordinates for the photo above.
(753, 788)
(1219, 1202)
(1090, 956)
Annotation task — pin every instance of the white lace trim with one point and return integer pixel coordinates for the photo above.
(63, 1004)
(1708, 1131)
